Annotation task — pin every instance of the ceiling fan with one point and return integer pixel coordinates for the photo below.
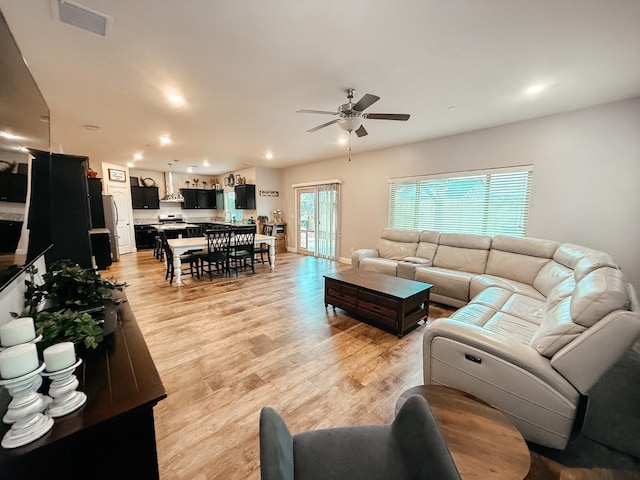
(350, 115)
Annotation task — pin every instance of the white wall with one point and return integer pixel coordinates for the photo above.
(585, 182)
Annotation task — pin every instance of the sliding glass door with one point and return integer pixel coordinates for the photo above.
(317, 223)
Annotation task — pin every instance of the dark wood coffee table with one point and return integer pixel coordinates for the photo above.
(483, 443)
(391, 303)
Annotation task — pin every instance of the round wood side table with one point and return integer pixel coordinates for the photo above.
(483, 443)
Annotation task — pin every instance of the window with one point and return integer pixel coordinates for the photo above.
(486, 202)
(231, 214)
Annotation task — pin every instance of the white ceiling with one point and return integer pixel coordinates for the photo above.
(245, 67)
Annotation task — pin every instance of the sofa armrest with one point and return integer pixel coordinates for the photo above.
(587, 358)
(359, 254)
(517, 354)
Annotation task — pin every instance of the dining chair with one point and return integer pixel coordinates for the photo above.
(242, 248)
(192, 232)
(217, 253)
(187, 257)
(264, 247)
(195, 232)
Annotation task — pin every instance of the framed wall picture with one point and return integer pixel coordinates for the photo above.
(117, 175)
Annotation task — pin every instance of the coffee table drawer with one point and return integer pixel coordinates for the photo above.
(341, 292)
(376, 308)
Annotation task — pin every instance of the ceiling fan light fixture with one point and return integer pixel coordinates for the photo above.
(350, 124)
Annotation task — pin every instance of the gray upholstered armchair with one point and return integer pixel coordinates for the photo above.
(412, 447)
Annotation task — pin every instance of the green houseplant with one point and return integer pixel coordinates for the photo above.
(62, 304)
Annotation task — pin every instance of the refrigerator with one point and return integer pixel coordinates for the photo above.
(111, 223)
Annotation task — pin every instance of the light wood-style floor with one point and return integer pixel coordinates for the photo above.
(226, 348)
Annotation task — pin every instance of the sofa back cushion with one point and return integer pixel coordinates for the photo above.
(556, 330)
(572, 307)
(519, 258)
(550, 276)
(598, 294)
(464, 252)
(428, 244)
(398, 244)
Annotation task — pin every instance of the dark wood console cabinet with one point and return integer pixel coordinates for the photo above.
(113, 434)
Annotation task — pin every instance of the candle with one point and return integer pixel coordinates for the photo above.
(18, 360)
(16, 331)
(59, 356)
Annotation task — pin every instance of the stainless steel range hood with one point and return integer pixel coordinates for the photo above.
(170, 196)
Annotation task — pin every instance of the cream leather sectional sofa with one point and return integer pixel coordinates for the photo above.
(540, 321)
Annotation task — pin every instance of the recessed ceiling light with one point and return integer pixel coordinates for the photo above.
(129, 164)
(165, 140)
(533, 89)
(92, 128)
(190, 169)
(268, 155)
(342, 140)
(175, 98)
(137, 156)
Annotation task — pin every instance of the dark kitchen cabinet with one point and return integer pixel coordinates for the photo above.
(95, 202)
(9, 235)
(200, 198)
(145, 198)
(13, 187)
(245, 197)
(59, 212)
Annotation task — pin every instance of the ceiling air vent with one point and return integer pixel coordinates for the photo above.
(82, 17)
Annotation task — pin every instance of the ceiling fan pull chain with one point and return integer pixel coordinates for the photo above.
(349, 146)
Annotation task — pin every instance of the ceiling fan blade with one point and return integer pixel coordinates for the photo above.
(361, 131)
(365, 102)
(323, 125)
(317, 111)
(388, 116)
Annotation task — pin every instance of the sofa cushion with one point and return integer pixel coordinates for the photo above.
(556, 329)
(598, 294)
(447, 283)
(480, 282)
(380, 265)
(397, 244)
(463, 259)
(590, 262)
(519, 259)
(524, 307)
(561, 291)
(551, 275)
(474, 314)
(518, 329)
(467, 253)
(532, 247)
(494, 297)
(428, 244)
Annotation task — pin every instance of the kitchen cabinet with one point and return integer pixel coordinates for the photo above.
(245, 197)
(13, 187)
(195, 198)
(9, 235)
(59, 212)
(145, 198)
(95, 202)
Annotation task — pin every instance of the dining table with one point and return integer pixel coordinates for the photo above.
(182, 245)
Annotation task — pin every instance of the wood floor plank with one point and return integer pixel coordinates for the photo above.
(225, 348)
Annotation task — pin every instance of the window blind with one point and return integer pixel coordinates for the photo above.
(490, 202)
